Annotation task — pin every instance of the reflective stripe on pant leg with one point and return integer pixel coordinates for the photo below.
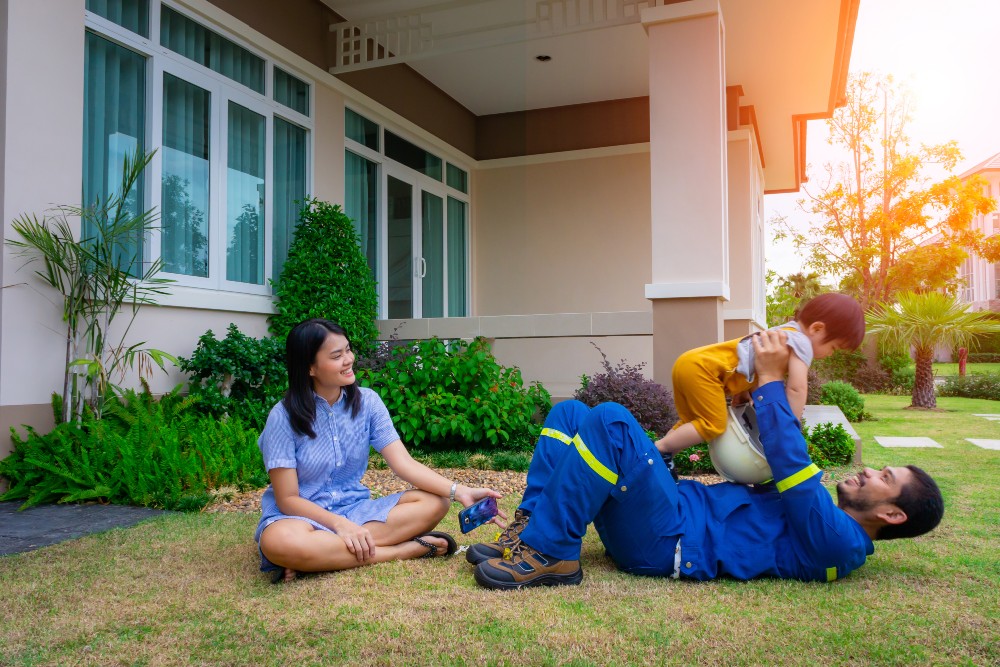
(592, 461)
(551, 448)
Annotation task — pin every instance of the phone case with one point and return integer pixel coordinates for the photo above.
(476, 515)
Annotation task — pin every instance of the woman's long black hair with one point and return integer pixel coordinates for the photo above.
(301, 346)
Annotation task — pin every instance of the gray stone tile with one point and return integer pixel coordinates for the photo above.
(985, 444)
(41, 526)
(887, 441)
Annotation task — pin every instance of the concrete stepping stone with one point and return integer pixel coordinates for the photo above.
(887, 441)
(985, 444)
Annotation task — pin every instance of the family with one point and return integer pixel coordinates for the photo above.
(590, 465)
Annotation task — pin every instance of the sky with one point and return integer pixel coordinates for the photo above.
(947, 55)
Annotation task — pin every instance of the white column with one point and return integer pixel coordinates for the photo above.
(689, 216)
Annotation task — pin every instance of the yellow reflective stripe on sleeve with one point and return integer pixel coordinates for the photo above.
(831, 574)
(596, 465)
(558, 435)
(798, 478)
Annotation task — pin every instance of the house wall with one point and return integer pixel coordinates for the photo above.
(980, 290)
(569, 235)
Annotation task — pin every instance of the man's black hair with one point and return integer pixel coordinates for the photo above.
(921, 500)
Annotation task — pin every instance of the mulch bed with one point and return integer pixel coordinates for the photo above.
(384, 482)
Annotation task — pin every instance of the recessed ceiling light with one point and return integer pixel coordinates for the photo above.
(543, 58)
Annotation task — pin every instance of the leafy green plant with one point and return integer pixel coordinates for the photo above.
(650, 402)
(976, 385)
(237, 376)
(445, 394)
(326, 275)
(841, 365)
(143, 451)
(99, 275)
(829, 444)
(845, 397)
(694, 460)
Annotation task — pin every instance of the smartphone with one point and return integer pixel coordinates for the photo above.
(476, 515)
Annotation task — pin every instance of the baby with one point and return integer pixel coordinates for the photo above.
(703, 376)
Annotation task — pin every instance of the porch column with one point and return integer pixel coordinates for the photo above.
(744, 312)
(689, 216)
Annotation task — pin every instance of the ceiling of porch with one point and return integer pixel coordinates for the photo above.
(790, 57)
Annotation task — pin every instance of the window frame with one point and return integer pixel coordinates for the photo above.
(420, 183)
(160, 59)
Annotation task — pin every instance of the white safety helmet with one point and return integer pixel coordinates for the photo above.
(737, 454)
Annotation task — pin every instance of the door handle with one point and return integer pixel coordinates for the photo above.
(423, 267)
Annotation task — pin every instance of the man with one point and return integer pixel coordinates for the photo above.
(597, 465)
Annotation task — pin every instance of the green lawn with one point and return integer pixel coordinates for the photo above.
(184, 590)
(943, 369)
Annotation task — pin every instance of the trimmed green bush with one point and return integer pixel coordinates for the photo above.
(983, 357)
(143, 451)
(457, 395)
(829, 445)
(975, 385)
(845, 397)
(326, 275)
(238, 376)
(841, 365)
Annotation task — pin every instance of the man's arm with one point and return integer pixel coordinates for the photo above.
(827, 535)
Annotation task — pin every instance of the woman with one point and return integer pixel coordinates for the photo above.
(317, 516)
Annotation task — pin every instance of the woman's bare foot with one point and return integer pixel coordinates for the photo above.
(283, 576)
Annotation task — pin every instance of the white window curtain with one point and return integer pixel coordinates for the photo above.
(290, 144)
(361, 204)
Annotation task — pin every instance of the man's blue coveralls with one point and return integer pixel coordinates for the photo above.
(598, 465)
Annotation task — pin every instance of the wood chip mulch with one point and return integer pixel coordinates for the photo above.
(384, 482)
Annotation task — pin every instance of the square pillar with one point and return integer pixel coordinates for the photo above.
(745, 313)
(689, 209)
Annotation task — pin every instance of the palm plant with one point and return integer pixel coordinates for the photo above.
(98, 275)
(923, 322)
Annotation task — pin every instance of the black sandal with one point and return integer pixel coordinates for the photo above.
(433, 549)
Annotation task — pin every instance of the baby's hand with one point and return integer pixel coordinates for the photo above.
(741, 398)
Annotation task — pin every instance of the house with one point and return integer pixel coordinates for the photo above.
(544, 173)
(981, 279)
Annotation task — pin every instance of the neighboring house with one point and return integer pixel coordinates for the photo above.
(981, 279)
(545, 174)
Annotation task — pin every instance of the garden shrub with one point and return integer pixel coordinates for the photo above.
(845, 397)
(871, 379)
(326, 275)
(975, 385)
(443, 395)
(650, 402)
(238, 376)
(829, 445)
(983, 358)
(144, 451)
(841, 365)
(694, 460)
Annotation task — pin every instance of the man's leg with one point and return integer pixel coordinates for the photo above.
(610, 453)
(552, 446)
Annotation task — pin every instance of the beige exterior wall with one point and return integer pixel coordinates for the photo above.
(982, 278)
(745, 310)
(564, 235)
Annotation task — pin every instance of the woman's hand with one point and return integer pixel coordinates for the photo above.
(468, 496)
(358, 539)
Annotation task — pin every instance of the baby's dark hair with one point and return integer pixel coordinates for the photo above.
(842, 315)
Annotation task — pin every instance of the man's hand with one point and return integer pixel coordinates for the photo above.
(770, 356)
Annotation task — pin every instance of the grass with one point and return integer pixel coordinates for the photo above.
(945, 369)
(184, 589)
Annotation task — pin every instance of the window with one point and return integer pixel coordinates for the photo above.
(410, 210)
(231, 131)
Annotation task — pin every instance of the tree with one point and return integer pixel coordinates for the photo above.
(98, 275)
(880, 225)
(786, 295)
(923, 322)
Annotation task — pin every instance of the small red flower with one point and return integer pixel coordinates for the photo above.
(694, 457)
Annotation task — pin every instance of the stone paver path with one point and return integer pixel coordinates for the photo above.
(886, 441)
(992, 418)
(985, 444)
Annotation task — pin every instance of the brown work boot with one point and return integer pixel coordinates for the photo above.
(503, 541)
(527, 567)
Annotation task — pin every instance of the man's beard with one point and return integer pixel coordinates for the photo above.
(846, 501)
